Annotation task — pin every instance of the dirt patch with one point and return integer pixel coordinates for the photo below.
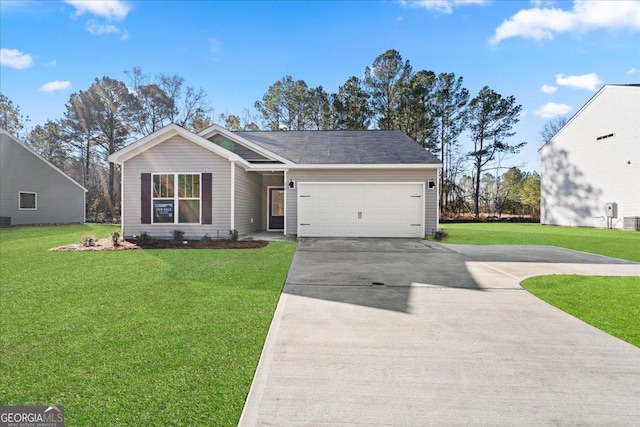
(98, 245)
(107, 245)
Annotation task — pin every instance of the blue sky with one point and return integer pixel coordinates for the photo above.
(552, 56)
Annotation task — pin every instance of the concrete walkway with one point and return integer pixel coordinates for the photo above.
(445, 336)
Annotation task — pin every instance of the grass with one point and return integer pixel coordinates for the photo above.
(614, 243)
(611, 304)
(147, 337)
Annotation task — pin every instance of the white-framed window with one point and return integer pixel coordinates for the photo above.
(27, 201)
(176, 198)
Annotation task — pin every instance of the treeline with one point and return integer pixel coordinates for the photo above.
(103, 119)
(433, 109)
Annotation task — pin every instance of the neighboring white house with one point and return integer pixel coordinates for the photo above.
(591, 167)
(304, 183)
(33, 191)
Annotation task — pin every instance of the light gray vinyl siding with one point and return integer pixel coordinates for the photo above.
(60, 200)
(581, 173)
(269, 180)
(387, 175)
(247, 201)
(178, 155)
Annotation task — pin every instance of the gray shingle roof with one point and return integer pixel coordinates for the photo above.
(342, 147)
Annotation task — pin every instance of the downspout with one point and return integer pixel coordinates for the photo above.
(233, 196)
(286, 192)
(438, 203)
(122, 200)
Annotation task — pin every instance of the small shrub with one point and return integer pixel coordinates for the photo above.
(233, 235)
(88, 241)
(440, 235)
(206, 239)
(178, 236)
(115, 238)
(144, 237)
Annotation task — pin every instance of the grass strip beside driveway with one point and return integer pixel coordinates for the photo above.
(611, 304)
(143, 337)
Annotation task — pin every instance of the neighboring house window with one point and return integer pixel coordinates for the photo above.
(28, 201)
(176, 198)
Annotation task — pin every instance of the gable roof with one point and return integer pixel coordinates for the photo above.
(298, 149)
(251, 151)
(630, 86)
(12, 138)
(164, 134)
(342, 147)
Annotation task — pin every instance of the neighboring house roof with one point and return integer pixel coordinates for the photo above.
(631, 86)
(342, 147)
(16, 141)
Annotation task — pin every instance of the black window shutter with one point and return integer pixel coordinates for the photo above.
(206, 198)
(145, 198)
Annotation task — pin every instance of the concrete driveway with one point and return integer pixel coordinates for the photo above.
(413, 333)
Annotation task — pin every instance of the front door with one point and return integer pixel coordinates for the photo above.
(276, 208)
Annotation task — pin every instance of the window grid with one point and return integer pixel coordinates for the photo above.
(176, 198)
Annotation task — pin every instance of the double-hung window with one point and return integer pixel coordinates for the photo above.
(176, 198)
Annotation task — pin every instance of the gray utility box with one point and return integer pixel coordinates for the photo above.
(631, 223)
(611, 209)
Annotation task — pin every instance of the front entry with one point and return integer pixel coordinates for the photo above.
(276, 208)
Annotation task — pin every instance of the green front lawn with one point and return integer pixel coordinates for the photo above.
(614, 243)
(611, 304)
(143, 337)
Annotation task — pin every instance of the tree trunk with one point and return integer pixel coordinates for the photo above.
(443, 171)
(476, 189)
(85, 172)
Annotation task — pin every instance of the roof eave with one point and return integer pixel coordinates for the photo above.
(368, 166)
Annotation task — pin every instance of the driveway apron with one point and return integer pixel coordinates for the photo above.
(412, 333)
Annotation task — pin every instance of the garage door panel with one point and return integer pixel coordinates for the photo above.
(361, 209)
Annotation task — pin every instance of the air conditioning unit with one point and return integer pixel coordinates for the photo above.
(631, 223)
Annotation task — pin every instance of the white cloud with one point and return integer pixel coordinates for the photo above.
(551, 110)
(441, 6)
(55, 86)
(108, 9)
(548, 89)
(13, 58)
(633, 70)
(98, 29)
(589, 81)
(543, 23)
(539, 3)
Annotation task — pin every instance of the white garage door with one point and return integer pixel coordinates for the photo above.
(360, 209)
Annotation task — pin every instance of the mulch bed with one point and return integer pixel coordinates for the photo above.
(199, 244)
(107, 245)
